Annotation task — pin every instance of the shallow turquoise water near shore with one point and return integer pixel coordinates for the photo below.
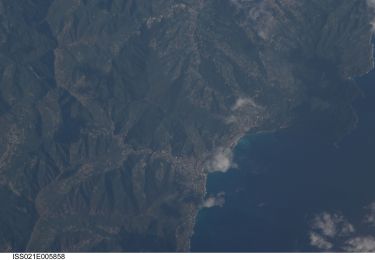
(283, 179)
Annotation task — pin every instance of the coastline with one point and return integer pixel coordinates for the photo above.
(255, 131)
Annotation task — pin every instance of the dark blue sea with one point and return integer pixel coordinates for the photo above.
(283, 179)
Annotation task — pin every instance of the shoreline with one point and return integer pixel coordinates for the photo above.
(256, 131)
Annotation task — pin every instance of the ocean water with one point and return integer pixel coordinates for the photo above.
(285, 178)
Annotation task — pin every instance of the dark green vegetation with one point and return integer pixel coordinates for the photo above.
(110, 109)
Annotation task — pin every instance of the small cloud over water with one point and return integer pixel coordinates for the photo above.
(217, 200)
(333, 232)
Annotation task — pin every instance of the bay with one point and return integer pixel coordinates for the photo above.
(283, 179)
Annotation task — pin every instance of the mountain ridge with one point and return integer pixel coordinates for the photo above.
(111, 111)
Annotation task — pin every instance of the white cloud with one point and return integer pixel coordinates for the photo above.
(325, 224)
(331, 225)
(319, 241)
(221, 161)
(360, 244)
(244, 102)
(330, 231)
(217, 200)
(371, 3)
(370, 216)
